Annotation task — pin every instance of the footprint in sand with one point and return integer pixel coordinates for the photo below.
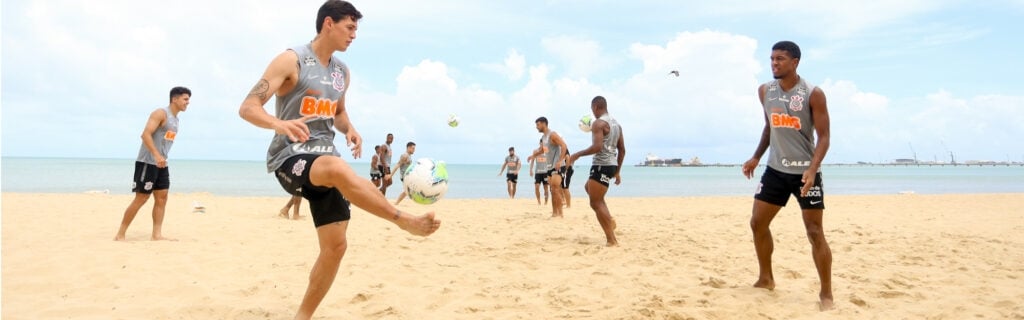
(892, 294)
(713, 282)
(858, 301)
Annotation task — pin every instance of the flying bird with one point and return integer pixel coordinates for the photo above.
(674, 72)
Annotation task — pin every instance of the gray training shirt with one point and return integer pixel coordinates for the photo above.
(792, 126)
(609, 153)
(554, 151)
(163, 138)
(316, 92)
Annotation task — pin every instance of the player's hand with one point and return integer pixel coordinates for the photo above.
(161, 162)
(618, 179)
(749, 166)
(295, 129)
(808, 180)
(355, 142)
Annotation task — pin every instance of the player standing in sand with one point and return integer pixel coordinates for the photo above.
(553, 148)
(609, 150)
(403, 163)
(794, 112)
(310, 85)
(539, 170)
(385, 161)
(512, 164)
(152, 176)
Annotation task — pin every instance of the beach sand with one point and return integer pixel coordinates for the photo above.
(895, 257)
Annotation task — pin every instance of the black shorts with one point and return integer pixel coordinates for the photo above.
(566, 172)
(775, 188)
(603, 174)
(148, 178)
(385, 170)
(540, 177)
(327, 205)
(376, 176)
(512, 177)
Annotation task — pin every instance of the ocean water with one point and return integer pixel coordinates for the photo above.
(474, 181)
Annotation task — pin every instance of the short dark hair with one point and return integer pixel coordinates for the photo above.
(337, 10)
(541, 119)
(410, 144)
(177, 91)
(511, 148)
(600, 102)
(788, 46)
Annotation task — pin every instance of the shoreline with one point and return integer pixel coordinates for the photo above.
(895, 256)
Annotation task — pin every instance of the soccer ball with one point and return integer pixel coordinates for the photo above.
(453, 121)
(585, 123)
(426, 180)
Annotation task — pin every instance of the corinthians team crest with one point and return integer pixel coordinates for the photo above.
(796, 103)
(339, 81)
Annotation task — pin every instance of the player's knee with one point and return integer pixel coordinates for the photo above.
(160, 199)
(815, 234)
(335, 250)
(758, 225)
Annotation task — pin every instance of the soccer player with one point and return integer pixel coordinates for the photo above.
(512, 177)
(152, 176)
(310, 85)
(609, 149)
(795, 112)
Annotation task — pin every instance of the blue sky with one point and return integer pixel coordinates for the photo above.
(80, 77)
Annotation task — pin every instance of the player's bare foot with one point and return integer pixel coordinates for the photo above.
(422, 225)
(826, 303)
(119, 237)
(283, 213)
(295, 217)
(765, 284)
(162, 238)
(612, 243)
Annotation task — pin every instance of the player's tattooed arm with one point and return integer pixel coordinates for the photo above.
(260, 90)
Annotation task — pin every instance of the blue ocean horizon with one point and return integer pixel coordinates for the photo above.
(479, 181)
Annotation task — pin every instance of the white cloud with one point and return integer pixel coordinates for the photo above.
(99, 68)
(581, 57)
(513, 67)
(842, 18)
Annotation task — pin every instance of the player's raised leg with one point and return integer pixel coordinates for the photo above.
(330, 171)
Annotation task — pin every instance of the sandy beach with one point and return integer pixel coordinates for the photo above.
(905, 256)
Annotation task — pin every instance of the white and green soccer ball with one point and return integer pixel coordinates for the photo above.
(453, 121)
(585, 122)
(426, 180)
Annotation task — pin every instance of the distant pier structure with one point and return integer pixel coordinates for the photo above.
(916, 163)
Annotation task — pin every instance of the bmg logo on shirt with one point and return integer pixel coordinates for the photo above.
(785, 121)
(320, 107)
